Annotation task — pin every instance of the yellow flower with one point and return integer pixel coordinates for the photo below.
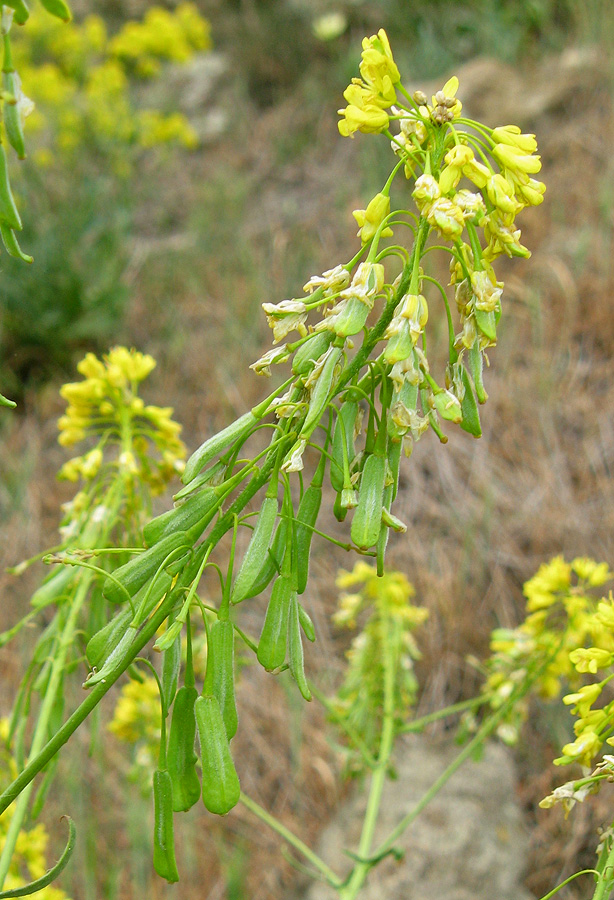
(590, 659)
(378, 68)
(510, 134)
(362, 114)
(447, 217)
(583, 699)
(588, 570)
(370, 219)
(516, 160)
(583, 749)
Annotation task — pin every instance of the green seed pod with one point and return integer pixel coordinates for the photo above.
(339, 510)
(400, 344)
(351, 319)
(273, 559)
(382, 540)
(12, 117)
(257, 550)
(101, 645)
(367, 521)
(12, 246)
(321, 392)
(180, 755)
(214, 476)
(52, 589)
(192, 517)
(343, 438)
(220, 676)
(395, 448)
(171, 664)
(22, 13)
(295, 648)
(4, 401)
(230, 435)
(306, 518)
(57, 8)
(272, 644)
(476, 363)
(113, 659)
(486, 323)
(164, 842)
(469, 408)
(308, 353)
(8, 211)
(306, 623)
(134, 574)
(221, 787)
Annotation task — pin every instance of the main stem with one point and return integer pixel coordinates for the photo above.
(361, 870)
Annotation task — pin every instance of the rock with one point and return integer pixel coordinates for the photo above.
(469, 843)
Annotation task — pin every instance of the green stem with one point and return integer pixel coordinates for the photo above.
(40, 732)
(361, 869)
(484, 731)
(345, 726)
(605, 879)
(377, 332)
(423, 721)
(145, 635)
(292, 839)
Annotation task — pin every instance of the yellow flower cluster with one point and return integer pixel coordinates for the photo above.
(566, 633)
(79, 79)
(162, 35)
(106, 406)
(31, 845)
(370, 96)
(137, 713)
(387, 633)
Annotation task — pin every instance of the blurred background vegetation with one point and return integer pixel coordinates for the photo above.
(165, 196)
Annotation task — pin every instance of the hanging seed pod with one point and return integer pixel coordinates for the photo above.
(192, 517)
(273, 560)
(367, 521)
(343, 443)
(12, 116)
(234, 432)
(11, 244)
(220, 675)
(352, 318)
(180, 755)
(134, 574)
(57, 8)
(321, 392)
(171, 664)
(164, 842)
(272, 644)
(52, 589)
(295, 648)
(486, 323)
(221, 788)
(22, 13)
(339, 510)
(306, 518)
(257, 550)
(382, 541)
(476, 362)
(306, 623)
(308, 353)
(213, 476)
(469, 408)
(9, 214)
